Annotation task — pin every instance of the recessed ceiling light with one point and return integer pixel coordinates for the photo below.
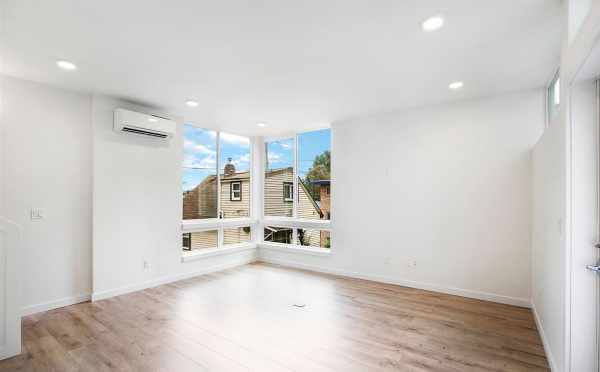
(433, 23)
(191, 103)
(456, 85)
(152, 120)
(261, 124)
(66, 65)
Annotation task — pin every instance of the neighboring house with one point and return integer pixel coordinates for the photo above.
(201, 202)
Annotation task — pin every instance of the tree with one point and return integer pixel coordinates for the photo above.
(320, 170)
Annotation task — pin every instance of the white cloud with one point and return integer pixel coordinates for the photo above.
(285, 145)
(197, 148)
(274, 157)
(241, 161)
(190, 161)
(233, 139)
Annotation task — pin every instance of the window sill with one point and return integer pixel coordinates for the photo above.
(212, 252)
(214, 223)
(296, 223)
(296, 249)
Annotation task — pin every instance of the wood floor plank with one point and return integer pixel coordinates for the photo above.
(262, 317)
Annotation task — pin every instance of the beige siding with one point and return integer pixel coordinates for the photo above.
(306, 206)
(311, 237)
(236, 235)
(235, 209)
(204, 239)
(201, 202)
(274, 202)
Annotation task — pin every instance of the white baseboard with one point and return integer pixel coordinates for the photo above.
(171, 278)
(516, 301)
(547, 349)
(51, 305)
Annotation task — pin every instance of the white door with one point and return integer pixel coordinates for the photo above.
(584, 289)
(10, 303)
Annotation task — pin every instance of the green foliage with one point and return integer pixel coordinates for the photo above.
(320, 170)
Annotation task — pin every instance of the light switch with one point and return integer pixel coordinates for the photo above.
(37, 213)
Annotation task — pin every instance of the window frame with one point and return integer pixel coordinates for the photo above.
(219, 223)
(232, 191)
(287, 185)
(293, 222)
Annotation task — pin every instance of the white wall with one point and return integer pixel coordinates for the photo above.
(137, 209)
(47, 164)
(448, 187)
(584, 212)
(548, 238)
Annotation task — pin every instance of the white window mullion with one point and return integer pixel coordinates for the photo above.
(220, 237)
(296, 192)
(218, 175)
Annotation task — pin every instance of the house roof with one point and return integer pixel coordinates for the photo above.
(320, 182)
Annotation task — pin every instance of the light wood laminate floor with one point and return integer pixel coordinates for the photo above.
(262, 317)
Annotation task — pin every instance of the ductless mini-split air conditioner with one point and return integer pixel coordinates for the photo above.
(143, 124)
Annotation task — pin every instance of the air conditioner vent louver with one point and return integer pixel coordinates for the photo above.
(144, 132)
(143, 124)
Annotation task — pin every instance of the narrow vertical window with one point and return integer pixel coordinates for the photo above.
(234, 160)
(314, 174)
(553, 94)
(199, 181)
(279, 175)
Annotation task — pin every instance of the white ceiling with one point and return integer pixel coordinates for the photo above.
(292, 64)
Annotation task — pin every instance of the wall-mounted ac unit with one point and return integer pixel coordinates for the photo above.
(143, 124)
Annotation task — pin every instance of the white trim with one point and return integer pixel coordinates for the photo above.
(300, 223)
(11, 272)
(547, 350)
(314, 251)
(51, 305)
(189, 256)
(242, 260)
(485, 296)
(214, 224)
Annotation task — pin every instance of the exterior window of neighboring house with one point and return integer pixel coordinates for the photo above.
(301, 166)
(288, 191)
(235, 191)
(216, 184)
(187, 242)
(553, 95)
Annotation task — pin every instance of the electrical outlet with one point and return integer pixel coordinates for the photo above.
(147, 266)
(412, 263)
(387, 260)
(37, 214)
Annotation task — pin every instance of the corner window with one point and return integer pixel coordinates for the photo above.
(300, 167)
(215, 186)
(288, 191)
(235, 191)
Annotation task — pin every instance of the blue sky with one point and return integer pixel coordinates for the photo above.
(200, 152)
(310, 144)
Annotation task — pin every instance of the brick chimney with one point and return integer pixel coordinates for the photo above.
(229, 168)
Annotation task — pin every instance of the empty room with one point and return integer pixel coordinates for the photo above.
(319, 186)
